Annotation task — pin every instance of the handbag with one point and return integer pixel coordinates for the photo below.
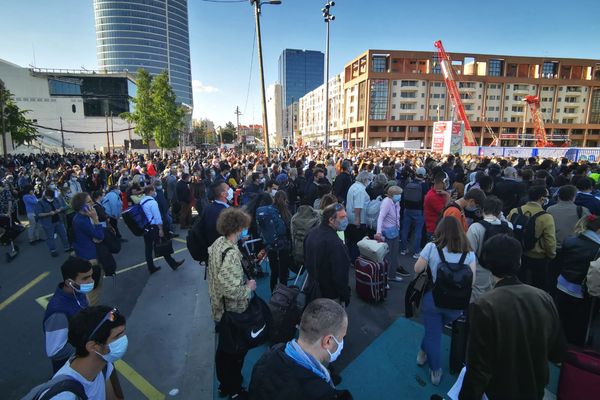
(240, 332)
(111, 241)
(163, 247)
(414, 293)
(391, 233)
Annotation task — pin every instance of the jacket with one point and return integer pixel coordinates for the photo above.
(575, 257)
(112, 204)
(341, 185)
(183, 192)
(514, 331)
(588, 201)
(209, 221)
(545, 246)
(290, 382)
(226, 281)
(510, 192)
(327, 261)
(83, 233)
(44, 207)
(565, 217)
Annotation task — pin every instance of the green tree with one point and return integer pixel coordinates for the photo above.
(143, 112)
(168, 115)
(228, 133)
(14, 121)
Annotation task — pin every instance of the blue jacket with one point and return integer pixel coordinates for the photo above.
(588, 201)
(112, 204)
(83, 232)
(43, 207)
(30, 203)
(61, 307)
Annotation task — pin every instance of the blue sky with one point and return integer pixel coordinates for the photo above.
(221, 37)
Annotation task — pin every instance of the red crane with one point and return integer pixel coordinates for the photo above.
(450, 78)
(541, 140)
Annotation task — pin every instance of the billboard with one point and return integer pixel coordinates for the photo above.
(447, 137)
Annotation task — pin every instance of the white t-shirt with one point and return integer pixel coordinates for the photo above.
(95, 390)
(430, 254)
(357, 198)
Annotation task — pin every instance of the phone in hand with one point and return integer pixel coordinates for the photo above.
(86, 208)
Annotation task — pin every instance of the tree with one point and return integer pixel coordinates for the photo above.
(14, 121)
(168, 115)
(143, 113)
(228, 133)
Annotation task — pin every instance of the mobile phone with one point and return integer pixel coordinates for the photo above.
(86, 208)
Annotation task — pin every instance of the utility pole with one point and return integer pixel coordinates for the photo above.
(237, 115)
(129, 135)
(107, 138)
(292, 130)
(2, 102)
(112, 131)
(62, 137)
(328, 18)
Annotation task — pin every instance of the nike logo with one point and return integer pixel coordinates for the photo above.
(254, 335)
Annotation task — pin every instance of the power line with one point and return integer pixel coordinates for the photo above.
(71, 131)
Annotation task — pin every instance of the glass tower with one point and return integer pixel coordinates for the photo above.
(149, 34)
(300, 71)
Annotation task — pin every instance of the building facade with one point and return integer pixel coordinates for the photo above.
(311, 122)
(275, 114)
(83, 101)
(398, 95)
(300, 71)
(150, 34)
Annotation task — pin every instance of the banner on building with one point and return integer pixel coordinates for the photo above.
(447, 137)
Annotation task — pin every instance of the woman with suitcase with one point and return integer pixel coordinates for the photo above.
(450, 253)
(388, 229)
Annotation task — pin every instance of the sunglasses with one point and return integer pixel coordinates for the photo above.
(111, 316)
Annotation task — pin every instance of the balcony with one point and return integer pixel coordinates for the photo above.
(521, 89)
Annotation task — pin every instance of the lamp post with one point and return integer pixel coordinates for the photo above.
(257, 4)
(328, 18)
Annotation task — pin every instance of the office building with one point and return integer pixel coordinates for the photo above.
(82, 99)
(275, 114)
(152, 35)
(398, 95)
(312, 113)
(300, 71)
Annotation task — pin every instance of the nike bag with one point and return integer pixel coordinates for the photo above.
(373, 208)
(240, 332)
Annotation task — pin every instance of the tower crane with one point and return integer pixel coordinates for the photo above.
(541, 140)
(450, 79)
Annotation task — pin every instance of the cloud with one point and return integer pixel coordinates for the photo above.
(199, 87)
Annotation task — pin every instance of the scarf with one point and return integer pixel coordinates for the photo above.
(305, 360)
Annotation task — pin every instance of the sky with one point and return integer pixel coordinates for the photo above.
(61, 34)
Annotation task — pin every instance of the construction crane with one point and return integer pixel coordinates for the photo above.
(488, 128)
(541, 140)
(450, 79)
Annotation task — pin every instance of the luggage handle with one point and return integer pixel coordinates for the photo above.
(298, 275)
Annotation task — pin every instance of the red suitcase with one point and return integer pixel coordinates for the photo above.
(371, 279)
(579, 375)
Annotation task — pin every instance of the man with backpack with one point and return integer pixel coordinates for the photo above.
(471, 201)
(534, 228)
(479, 232)
(413, 199)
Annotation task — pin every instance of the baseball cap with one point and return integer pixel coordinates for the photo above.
(421, 171)
(281, 178)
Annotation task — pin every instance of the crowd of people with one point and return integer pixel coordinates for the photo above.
(526, 229)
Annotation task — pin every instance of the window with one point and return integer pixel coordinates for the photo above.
(408, 83)
(549, 69)
(435, 65)
(379, 99)
(408, 106)
(393, 106)
(394, 83)
(394, 94)
(379, 63)
(64, 87)
(73, 108)
(595, 108)
(406, 117)
(570, 110)
(495, 67)
(408, 95)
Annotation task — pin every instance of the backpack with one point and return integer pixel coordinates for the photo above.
(56, 385)
(135, 218)
(452, 286)
(413, 192)
(494, 229)
(524, 228)
(303, 221)
(271, 228)
(373, 208)
(196, 242)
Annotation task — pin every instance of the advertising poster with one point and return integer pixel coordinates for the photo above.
(456, 139)
(439, 133)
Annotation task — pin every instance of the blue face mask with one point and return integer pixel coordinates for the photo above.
(342, 225)
(396, 198)
(340, 346)
(243, 234)
(471, 209)
(116, 349)
(84, 287)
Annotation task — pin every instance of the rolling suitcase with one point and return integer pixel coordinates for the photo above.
(286, 305)
(579, 375)
(458, 344)
(371, 279)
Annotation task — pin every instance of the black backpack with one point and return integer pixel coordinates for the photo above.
(452, 286)
(524, 228)
(495, 229)
(196, 241)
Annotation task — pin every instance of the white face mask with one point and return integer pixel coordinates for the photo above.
(229, 194)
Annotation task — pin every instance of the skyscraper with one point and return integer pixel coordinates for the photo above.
(300, 71)
(152, 35)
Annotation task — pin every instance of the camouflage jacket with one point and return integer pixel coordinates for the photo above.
(226, 281)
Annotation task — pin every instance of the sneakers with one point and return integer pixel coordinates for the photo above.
(395, 279)
(153, 270)
(241, 395)
(176, 265)
(403, 252)
(436, 377)
(402, 272)
(54, 253)
(416, 256)
(387, 287)
(421, 358)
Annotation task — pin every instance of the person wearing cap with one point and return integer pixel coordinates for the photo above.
(509, 190)
(413, 218)
(95, 181)
(388, 229)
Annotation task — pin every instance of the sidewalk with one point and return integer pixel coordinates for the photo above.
(171, 334)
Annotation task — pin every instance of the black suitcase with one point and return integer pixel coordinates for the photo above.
(458, 344)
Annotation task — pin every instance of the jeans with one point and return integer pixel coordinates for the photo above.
(59, 229)
(434, 319)
(535, 272)
(279, 262)
(410, 218)
(392, 256)
(35, 228)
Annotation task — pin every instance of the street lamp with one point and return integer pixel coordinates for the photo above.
(257, 4)
(328, 18)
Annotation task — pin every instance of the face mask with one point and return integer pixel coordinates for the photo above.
(49, 199)
(229, 194)
(396, 198)
(546, 201)
(273, 192)
(262, 180)
(52, 186)
(334, 356)
(243, 234)
(74, 178)
(116, 349)
(158, 187)
(471, 209)
(153, 194)
(343, 224)
(84, 287)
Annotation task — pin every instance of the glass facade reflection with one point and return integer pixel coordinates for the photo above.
(149, 34)
(378, 103)
(300, 71)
